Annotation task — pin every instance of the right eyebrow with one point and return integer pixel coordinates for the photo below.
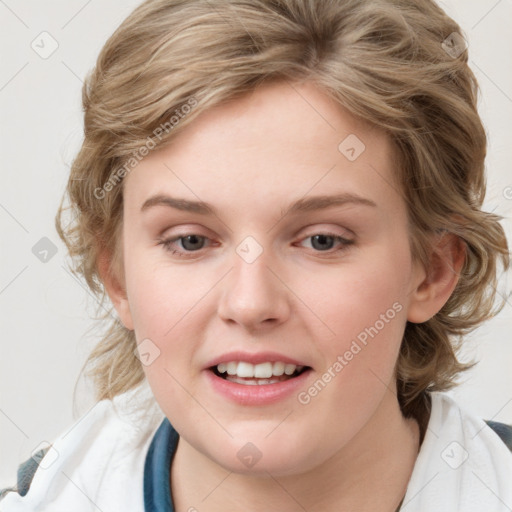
(179, 204)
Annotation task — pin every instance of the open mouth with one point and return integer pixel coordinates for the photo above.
(241, 372)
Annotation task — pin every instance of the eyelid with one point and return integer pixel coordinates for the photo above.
(313, 229)
(166, 242)
(347, 234)
(327, 233)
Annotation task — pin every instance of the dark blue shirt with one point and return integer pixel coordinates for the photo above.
(157, 483)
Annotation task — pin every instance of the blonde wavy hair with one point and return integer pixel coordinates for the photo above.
(386, 61)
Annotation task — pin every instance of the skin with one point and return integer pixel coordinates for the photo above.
(349, 448)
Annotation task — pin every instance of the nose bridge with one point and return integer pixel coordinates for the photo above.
(252, 294)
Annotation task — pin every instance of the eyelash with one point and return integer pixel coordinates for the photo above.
(166, 243)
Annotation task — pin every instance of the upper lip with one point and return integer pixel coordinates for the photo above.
(254, 358)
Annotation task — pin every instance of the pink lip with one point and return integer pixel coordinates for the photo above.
(260, 357)
(265, 394)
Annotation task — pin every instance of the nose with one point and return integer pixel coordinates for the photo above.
(254, 295)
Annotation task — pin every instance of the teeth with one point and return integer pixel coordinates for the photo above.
(231, 368)
(245, 370)
(289, 368)
(278, 369)
(262, 370)
(267, 370)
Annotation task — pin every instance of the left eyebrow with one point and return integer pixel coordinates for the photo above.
(309, 204)
(302, 205)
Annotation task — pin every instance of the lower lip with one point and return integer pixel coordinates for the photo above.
(261, 394)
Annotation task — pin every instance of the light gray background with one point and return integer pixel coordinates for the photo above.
(45, 311)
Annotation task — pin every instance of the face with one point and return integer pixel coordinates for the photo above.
(298, 263)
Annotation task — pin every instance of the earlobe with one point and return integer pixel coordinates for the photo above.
(114, 287)
(439, 280)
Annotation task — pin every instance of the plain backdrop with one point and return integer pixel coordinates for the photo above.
(45, 311)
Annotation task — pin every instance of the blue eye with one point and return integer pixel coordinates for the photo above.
(321, 240)
(190, 243)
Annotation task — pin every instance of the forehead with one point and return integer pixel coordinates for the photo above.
(278, 141)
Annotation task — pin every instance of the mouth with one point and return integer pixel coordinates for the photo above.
(261, 374)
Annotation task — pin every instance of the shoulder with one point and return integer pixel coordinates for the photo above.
(449, 413)
(459, 452)
(88, 427)
(105, 447)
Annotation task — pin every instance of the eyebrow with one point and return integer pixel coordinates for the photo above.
(303, 205)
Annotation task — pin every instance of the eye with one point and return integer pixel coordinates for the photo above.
(323, 242)
(190, 243)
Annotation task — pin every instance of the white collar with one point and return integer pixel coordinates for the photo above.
(462, 465)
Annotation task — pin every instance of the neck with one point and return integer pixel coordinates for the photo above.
(370, 473)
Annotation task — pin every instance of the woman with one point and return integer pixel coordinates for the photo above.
(282, 200)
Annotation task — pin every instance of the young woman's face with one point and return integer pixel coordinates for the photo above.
(300, 263)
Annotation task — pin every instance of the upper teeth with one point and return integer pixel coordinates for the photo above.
(260, 371)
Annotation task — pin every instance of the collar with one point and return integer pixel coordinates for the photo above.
(157, 491)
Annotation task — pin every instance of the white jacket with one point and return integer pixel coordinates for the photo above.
(98, 464)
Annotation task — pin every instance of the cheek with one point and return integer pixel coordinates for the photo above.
(169, 308)
(162, 294)
(365, 311)
(353, 298)
(165, 311)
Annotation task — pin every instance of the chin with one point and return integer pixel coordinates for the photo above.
(279, 457)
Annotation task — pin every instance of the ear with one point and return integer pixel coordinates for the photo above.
(112, 277)
(437, 282)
